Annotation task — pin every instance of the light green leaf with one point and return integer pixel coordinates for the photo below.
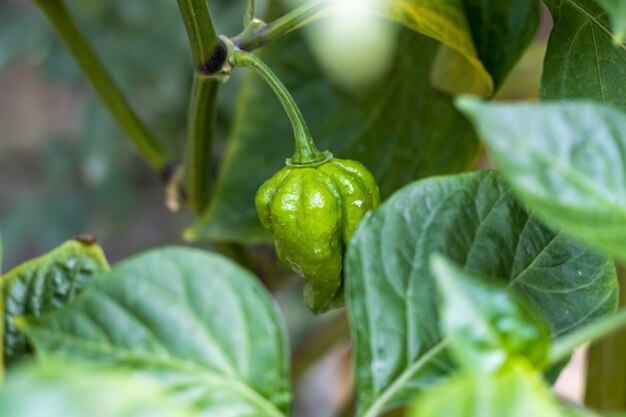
(459, 69)
(401, 129)
(566, 162)
(474, 220)
(502, 30)
(200, 323)
(617, 11)
(63, 390)
(45, 284)
(520, 392)
(487, 327)
(582, 61)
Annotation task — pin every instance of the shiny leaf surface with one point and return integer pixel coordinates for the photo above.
(565, 160)
(475, 221)
(201, 324)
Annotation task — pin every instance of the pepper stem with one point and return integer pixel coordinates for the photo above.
(306, 151)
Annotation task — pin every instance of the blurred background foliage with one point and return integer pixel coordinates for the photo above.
(66, 169)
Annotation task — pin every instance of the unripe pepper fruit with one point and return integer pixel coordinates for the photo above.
(312, 211)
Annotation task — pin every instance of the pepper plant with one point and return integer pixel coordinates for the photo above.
(465, 290)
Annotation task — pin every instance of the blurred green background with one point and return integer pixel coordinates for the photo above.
(65, 167)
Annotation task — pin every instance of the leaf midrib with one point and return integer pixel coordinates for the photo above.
(386, 395)
(240, 387)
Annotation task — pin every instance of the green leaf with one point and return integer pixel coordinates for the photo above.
(582, 61)
(459, 70)
(487, 327)
(475, 221)
(520, 392)
(502, 30)
(63, 390)
(566, 162)
(45, 284)
(199, 322)
(617, 10)
(401, 129)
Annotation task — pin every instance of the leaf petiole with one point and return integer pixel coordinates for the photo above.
(267, 33)
(106, 88)
(306, 152)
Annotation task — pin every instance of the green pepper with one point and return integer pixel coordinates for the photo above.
(313, 205)
(312, 211)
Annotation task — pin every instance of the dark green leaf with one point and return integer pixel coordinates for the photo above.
(475, 221)
(582, 61)
(401, 129)
(43, 285)
(487, 327)
(199, 322)
(60, 390)
(617, 11)
(565, 160)
(502, 30)
(520, 392)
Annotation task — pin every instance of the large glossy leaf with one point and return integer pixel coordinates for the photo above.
(62, 390)
(565, 160)
(582, 61)
(401, 129)
(199, 322)
(502, 30)
(460, 70)
(520, 392)
(617, 11)
(43, 285)
(475, 221)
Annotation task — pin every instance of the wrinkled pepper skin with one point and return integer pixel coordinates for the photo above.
(312, 212)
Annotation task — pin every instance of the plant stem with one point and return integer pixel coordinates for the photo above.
(208, 53)
(306, 151)
(208, 56)
(250, 13)
(606, 364)
(249, 41)
(59, 16)
(378, 406)
(198, 151)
